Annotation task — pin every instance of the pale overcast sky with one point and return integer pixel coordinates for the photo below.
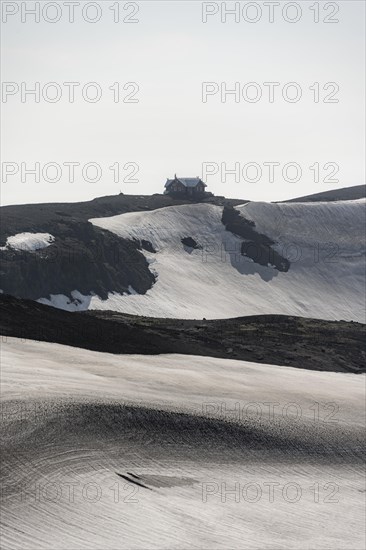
(169, 53)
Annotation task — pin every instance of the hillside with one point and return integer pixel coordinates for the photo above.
(82, 257)
(278, 339)
(343, 194)
(159, 257)
(121, 429)
(223, 274)
(172, 451)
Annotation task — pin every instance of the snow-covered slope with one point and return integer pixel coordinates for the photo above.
(323, 241)
(227, 454)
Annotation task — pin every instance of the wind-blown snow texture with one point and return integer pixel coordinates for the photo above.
(205, 438)
(323, 241)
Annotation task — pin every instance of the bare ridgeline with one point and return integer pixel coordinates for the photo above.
(183, 371)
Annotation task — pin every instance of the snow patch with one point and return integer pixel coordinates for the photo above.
(28, 242)
(81, 302)
(132, 290)
(77, 302)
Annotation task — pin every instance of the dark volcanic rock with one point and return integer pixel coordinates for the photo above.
(191, 243)
(256, 246)
(83, 257)
(146, 245)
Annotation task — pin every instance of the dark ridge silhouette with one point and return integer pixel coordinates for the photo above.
(343, 194)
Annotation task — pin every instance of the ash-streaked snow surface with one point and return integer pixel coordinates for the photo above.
(323, 241)
(170, 451)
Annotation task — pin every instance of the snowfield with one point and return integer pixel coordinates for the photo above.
(323, 241)
(215, 453)
(29, 242)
